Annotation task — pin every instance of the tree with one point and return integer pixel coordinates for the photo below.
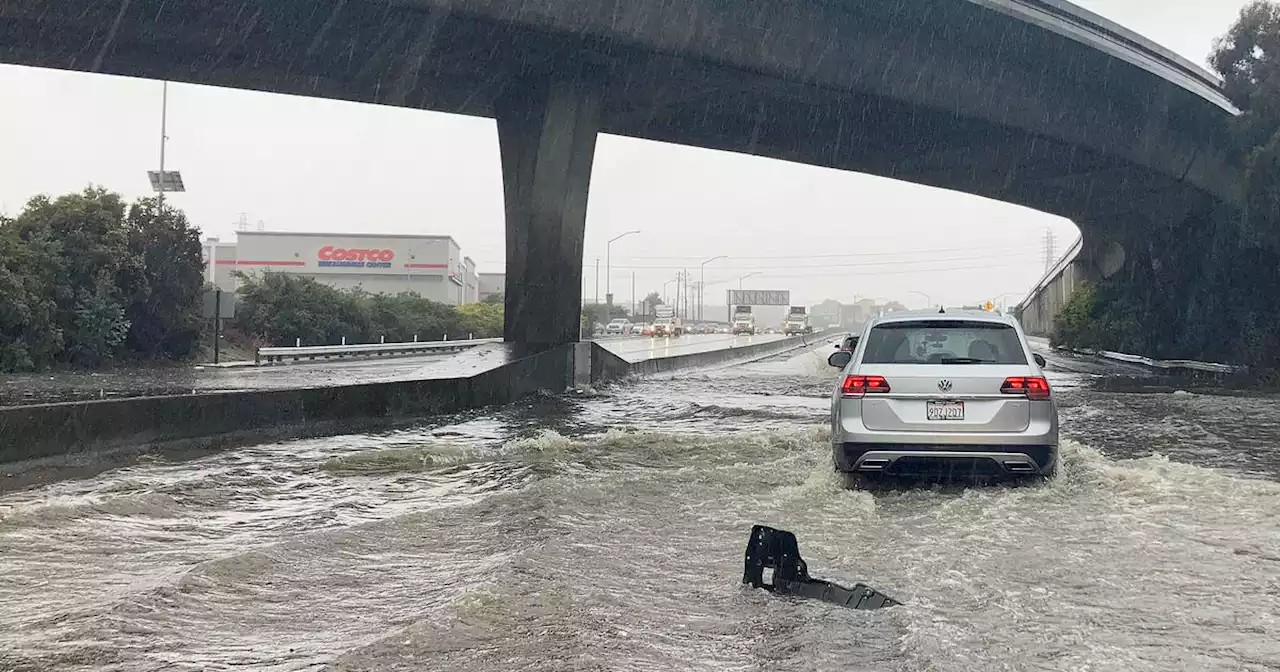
(93, 248)
(483, 320)
(98, 330)
(651, 303)
(495, 298)
(163, 304)
(30, 336)
(1248, 58)
(82, 283)
(282, 308)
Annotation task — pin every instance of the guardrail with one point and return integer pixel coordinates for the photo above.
(1167, 364)
(272, 355)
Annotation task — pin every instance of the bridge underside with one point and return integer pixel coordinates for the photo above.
(959, 97)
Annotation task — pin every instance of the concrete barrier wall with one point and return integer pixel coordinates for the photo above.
(1038, 311)
(607, 366)
(220, 419)
(28, 432)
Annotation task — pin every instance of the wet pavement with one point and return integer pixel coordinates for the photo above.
(35, 388)
(605, 531)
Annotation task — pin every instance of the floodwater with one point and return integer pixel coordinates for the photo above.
(605, 531)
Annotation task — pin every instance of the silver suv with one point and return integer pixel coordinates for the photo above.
(942, 394)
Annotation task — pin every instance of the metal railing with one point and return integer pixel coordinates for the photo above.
(271, 355)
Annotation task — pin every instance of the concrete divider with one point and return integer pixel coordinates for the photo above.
(219, 419)
(222, 418)
(607, 366)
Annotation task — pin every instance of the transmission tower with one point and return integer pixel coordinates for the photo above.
(1050, 251)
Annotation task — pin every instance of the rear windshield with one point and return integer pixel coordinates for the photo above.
(944, 342)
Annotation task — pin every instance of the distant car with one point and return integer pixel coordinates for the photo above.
(931, 394)
(667, 326)
(646, 330)
(618, 326)
(848, 343)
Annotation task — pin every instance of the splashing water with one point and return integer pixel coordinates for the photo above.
(610, 537)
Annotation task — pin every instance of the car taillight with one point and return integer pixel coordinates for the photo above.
(1032, 387)
(856, 386)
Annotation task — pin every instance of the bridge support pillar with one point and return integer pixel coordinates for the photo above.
(547, 136)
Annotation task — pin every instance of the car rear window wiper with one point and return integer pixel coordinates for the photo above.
(966, 360)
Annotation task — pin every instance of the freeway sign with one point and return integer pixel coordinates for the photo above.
(759, 297)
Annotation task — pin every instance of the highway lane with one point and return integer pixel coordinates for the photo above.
(605, 531)
(640, 348)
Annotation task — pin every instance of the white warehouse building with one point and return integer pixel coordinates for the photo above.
(431, 266)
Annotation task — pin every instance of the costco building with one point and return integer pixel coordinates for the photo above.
(432, 266)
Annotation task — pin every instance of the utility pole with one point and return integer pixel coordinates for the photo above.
(598, 283)
(686, 293)
(164, 120)
(676, 308)
(1050, 243)
(633, 294)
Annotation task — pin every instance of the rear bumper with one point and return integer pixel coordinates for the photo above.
(901, 459)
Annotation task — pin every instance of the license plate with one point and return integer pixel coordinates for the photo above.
(944, 410)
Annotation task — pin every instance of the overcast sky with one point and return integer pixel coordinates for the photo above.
(301, 164)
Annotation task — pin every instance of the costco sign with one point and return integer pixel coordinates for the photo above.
(330, 256)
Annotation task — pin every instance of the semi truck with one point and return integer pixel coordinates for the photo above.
(797, 322)
(666, 323)
(743, 321)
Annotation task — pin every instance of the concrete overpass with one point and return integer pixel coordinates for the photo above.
(1034, 102)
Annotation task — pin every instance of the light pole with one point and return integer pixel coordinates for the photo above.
(702, 285)
(928, 303)
(1003, 305)
(728, 305)
(665, 299)
(162, 180)
(608, 293)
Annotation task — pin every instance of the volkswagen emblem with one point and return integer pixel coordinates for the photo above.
(944, 385)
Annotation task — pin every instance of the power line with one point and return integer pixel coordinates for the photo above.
(985, 248)
(860, 264)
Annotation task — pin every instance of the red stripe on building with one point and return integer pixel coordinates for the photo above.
(243, 262)
(426, 265)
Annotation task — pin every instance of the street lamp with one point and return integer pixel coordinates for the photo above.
(162, 180)
(702, 285)
(665, 299)
(608, 294)
(927, 301)
(1000, 298)
(729, 304)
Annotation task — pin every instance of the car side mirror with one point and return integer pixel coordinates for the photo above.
(1039, 359)
(836, 346)
(840, 359)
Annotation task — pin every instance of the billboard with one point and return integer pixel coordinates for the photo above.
(759, 297)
